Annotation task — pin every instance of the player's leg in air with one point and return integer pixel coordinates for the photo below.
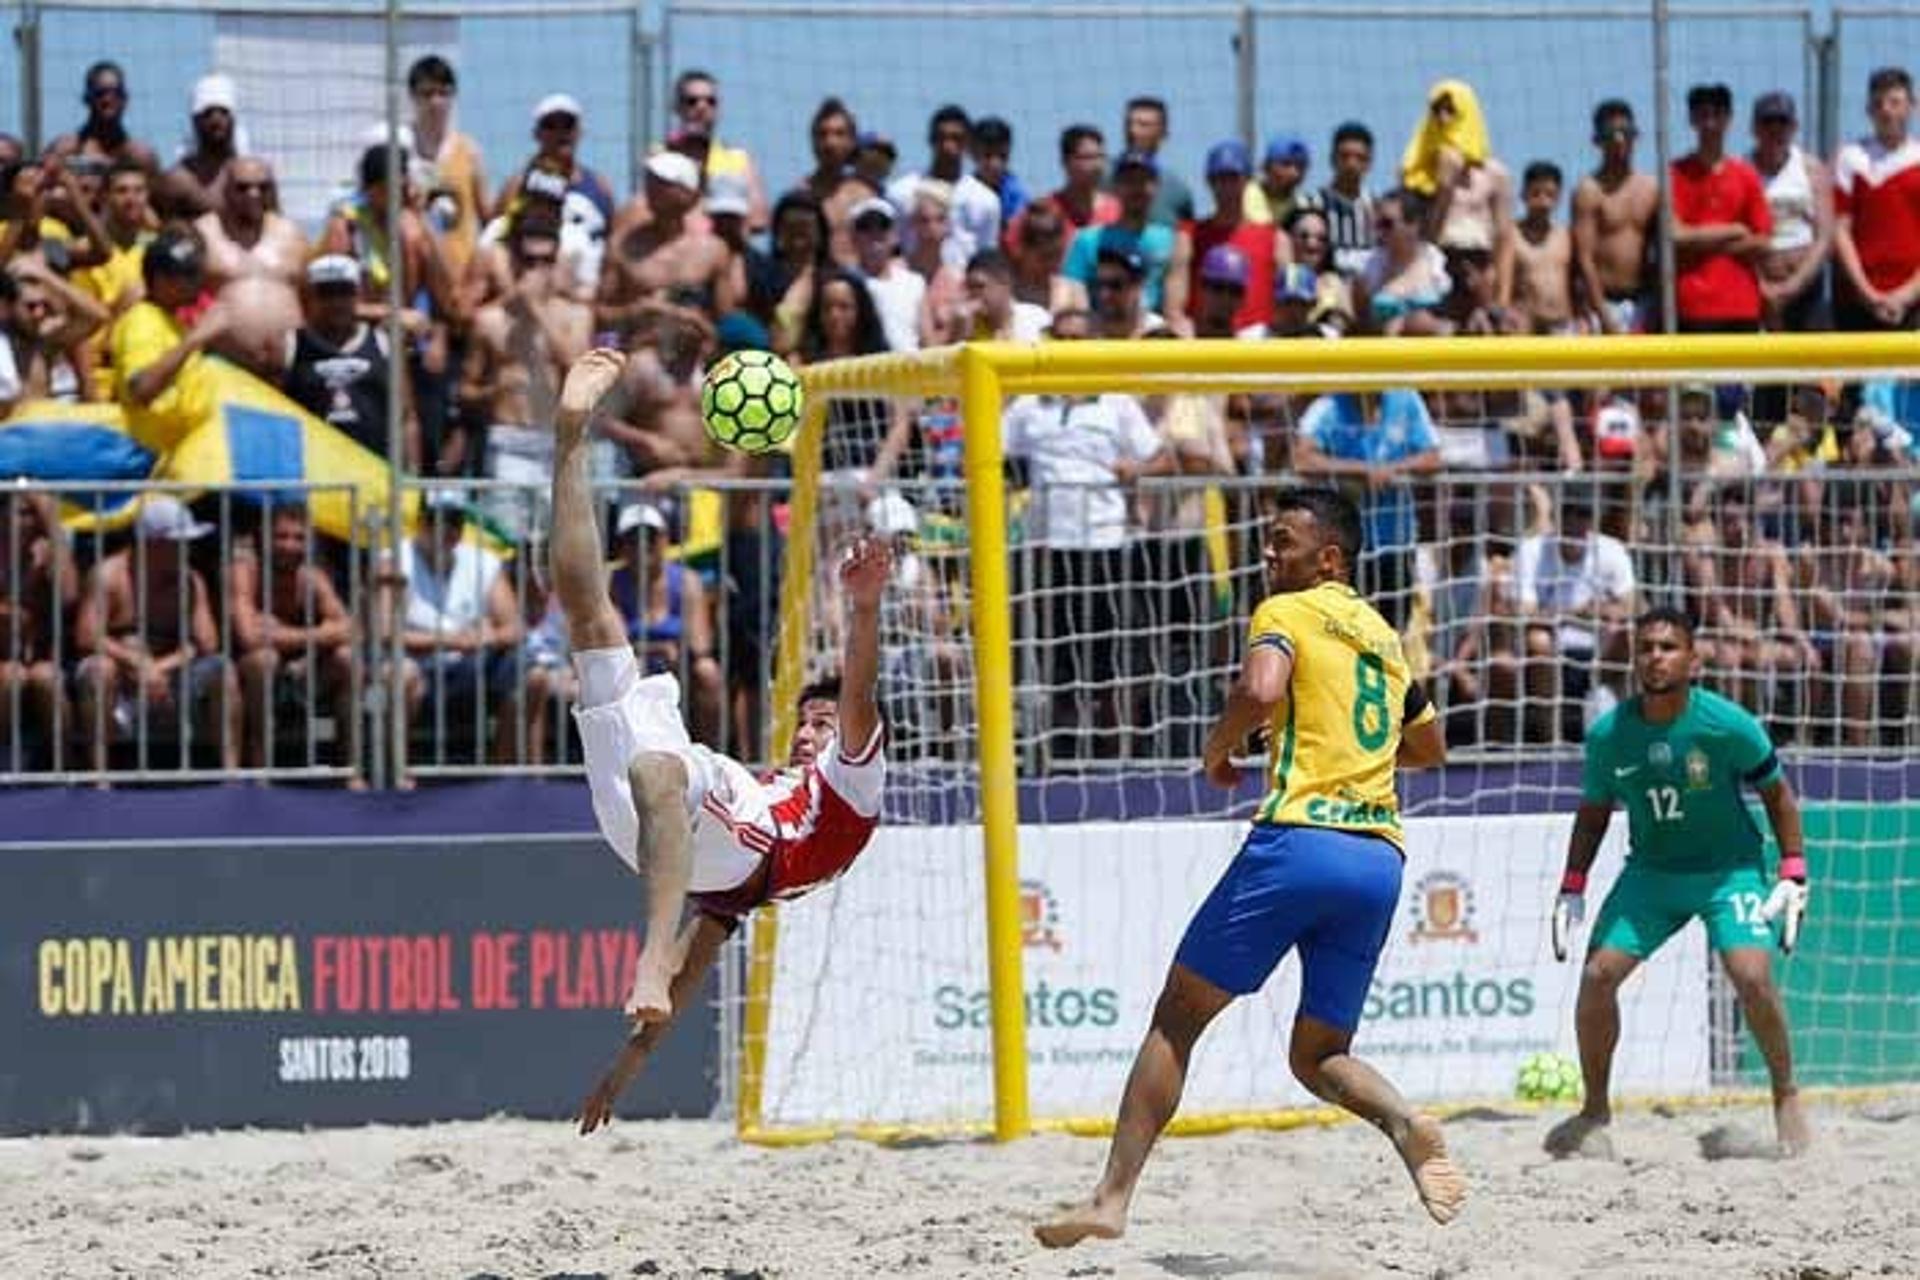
(601, 654)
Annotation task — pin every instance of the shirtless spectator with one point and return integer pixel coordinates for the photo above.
(1283, 173)
(193, 186)
(339, 367)
(655, 415)
(104, 132)
(453, 175)
(1079, 200)
(696, 112)
(665, 258)
(289, 622)
(357, 228)
(726, 206)
(147, 621)
(38, 589)
(1845, 583)
(898, 290)
(1876, 185)
(1743, 590)
(1038, 249)
(1721, 224)
(517, 355)
(1543, 255)
(248, 235)
(586, 201)
(832, 181)
(1614, 213)
(1450, 162)
(874, 156)
(1799, 194)
(1346, 202)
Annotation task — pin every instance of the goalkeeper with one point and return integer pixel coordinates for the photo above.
(1676, 757)
(706, 831)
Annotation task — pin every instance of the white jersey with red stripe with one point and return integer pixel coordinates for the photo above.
(789, 832)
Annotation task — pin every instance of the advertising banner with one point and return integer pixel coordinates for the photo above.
(881, 1010)
(313, 983)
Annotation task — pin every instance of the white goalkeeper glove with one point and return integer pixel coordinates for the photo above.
(1788, 901)
(1569, 912)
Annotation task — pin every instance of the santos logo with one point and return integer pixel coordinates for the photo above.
(1460, 997)
(956, 1008)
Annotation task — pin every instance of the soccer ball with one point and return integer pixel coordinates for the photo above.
(751, 401)
(1548, 1077)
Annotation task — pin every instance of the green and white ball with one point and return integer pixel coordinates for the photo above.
(1548, 1077)
(751, 401)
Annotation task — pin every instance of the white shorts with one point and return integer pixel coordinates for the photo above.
(628, 715)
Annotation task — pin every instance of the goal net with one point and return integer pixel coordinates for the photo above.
(1786, 530)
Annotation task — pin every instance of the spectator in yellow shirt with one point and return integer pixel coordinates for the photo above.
(164, 383)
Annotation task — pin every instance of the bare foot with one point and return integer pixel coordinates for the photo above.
(651, 1000)
(1442, 1187)
(1081, 1221)
(588, 381)
(1790, 1122)
(1580, 1135)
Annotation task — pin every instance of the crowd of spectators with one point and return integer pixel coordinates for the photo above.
(123, 272)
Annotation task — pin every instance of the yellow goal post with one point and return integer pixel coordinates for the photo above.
(983, 378)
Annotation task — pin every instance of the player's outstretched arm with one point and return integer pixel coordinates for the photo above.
(1788, 901)
(700, 943)
(1590, 823)
(864, 571)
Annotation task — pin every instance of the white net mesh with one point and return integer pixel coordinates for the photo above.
(1130, 604)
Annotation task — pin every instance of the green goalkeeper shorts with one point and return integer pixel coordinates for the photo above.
(1646, 907)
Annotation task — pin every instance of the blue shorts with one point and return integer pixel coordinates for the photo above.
(1330, 893)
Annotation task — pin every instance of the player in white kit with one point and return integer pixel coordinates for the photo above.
(703, 829)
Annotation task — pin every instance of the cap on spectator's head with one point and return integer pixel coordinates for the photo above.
(740, 331)
(674, 169)
(892, 515)
(1694, 391)
(557, 104)
(333, 269)
(873, 207)
(446, 501)
(541, 183)
(1578, 500)
(728, 194)
(164, 519)
(1224, 264)
(1141, 160)
(1709, 97)
(640, 515)
(874, 140)
(1231, 157)
(214, 92)
(1775, 106)
(1123, 254)
(1287, 148)
(1296, 282)
(174, 251)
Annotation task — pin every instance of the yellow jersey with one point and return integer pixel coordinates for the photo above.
(141, 335)
(1333, 741)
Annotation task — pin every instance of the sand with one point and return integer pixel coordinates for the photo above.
(515, 1198)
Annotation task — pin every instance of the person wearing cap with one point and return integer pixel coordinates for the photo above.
(726, 208)
(461, 627)
(104, 132)
(1145, 129)
(1119, 276)
(587, 207)
(832, 181)
(1876, 188)
(248, 235)
(193, 186)
(164, 385)
(1257, 246)
(1221, 284)
(452, 177)
(1136, 183)
(146, 623)
(1297, 310)
(1721, 224)
(339, 367)
(696, 113)
(1283, 167)
(1800, 199)
(668, 616)
(666, 258)
(898, 290)
(874, 155)
(518, 351)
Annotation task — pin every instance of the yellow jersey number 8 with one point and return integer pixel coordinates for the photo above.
(1372, 718)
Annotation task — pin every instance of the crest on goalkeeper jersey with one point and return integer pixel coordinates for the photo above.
(1039, 916)
(1442, 908)
(1699, 771)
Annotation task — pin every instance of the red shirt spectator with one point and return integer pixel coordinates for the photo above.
(1080, 202)
(1720, 208)
(1876, 199)
(1228, 166)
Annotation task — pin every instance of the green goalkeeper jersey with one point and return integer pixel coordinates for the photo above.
(1680, 781)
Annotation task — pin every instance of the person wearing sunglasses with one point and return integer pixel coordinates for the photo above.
(104, 132)
(696, 112)
(1614, 208)
(248, 235)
